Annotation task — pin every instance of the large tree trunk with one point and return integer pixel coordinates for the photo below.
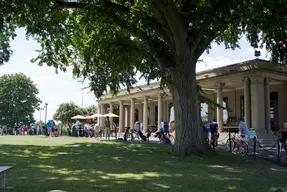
(188, 129)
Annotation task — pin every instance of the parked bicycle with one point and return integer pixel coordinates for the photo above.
(132, 134)
(281, 154)
(236, 142)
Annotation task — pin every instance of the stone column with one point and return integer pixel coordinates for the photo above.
(247, 103)
(159, 111)
(111, 119)
(163, 106)
(151, 114)
(145, 114)
(121, 118)
(141, 112)
(267, 104)
(128, 115)
(257, 103)
(219, 100)
(100, 112)
(103, 118)
(132, 118)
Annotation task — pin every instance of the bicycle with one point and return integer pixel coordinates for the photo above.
(234, 141)
(280, 147)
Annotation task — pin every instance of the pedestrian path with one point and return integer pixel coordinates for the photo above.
(268, 153)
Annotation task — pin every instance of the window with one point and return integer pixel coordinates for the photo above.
(225, 112)
(204, 112)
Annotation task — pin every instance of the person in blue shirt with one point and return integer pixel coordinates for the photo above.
(213, 127)
(205, 132)
(49, 127)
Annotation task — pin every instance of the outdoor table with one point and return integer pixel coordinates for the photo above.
(3, 170)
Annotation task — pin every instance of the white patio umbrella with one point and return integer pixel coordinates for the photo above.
(78, 117)
(89, 117)
(97, 115)
(110, 115)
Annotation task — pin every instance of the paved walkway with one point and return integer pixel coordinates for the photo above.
(268, 153)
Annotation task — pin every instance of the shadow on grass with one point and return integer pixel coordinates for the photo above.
(118, 166)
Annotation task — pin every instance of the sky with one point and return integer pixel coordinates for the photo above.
(62, 87)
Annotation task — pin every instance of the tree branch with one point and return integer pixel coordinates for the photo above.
(68, 5)
(199, 34)
(145, 18)
(124, 11)
(175, 23)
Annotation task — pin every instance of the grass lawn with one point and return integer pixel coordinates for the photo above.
(89, 165)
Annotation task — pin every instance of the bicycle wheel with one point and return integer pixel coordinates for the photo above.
(243, 149)
(228, 145)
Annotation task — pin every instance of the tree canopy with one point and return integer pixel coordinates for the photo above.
(18, 100)
(67, 110)
(93, 109)
(109, 41)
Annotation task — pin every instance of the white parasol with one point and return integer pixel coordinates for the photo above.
(110, 115)
(97, 115)
(78, 117)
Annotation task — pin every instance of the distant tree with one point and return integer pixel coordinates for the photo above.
(18, 100)
(66, 111)
(92, 109)
(41, 123)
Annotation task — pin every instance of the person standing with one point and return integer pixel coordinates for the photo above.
(205, 131)
(49, 127)
(283, 139)
(107, 128)
(213, 127)
(243, 130)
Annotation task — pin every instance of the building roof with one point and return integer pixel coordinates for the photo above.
(248, 65)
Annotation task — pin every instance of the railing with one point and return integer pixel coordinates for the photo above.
(256, 147)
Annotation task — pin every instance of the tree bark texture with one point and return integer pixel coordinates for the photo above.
(188, 129)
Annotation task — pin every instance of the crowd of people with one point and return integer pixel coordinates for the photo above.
(92, 129)
(21, 130)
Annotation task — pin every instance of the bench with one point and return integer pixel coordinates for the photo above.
(3, 170)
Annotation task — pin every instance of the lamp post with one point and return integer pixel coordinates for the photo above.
(40, 114)
(83, 95)
(46, 104)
